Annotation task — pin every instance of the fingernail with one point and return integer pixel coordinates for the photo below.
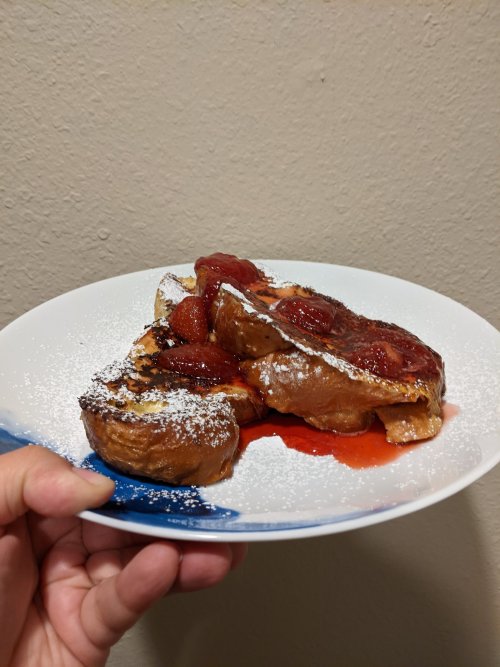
(92, 477)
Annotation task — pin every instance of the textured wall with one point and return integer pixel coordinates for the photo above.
(137, 134)
(142, 133)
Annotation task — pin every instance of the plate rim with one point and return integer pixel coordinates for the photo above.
(332, 526)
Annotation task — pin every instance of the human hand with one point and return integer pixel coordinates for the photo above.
(70, 588)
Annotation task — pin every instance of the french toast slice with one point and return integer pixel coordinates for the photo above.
(146, 419)
(171, 291)
(309, 355)
(337, 372)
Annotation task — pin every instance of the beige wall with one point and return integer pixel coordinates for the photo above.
(137, 134)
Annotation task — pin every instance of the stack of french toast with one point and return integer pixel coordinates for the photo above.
(233, 342)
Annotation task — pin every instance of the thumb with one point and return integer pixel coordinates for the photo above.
(34, 478)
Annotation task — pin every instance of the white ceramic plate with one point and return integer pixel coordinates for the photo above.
(47, 358)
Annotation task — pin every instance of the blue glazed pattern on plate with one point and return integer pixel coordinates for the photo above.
(183, 507)
(9, 442)
(156, 504)
(145, 502)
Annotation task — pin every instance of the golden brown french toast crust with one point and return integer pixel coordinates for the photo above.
(151, 421)
(169, 432)
(342, 346)
(308, 377)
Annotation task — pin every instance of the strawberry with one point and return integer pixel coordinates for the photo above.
(189, 320)
(200, 360)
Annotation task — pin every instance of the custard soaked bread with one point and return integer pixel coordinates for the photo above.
(171, 411)
(310, 355)
(336, 378)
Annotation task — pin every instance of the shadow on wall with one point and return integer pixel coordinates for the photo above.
(393, 595)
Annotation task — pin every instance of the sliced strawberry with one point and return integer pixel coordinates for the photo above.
(378, 357)
(229, 266)
(208, 285)
(200, 360)
(312, 313)
(189, 320)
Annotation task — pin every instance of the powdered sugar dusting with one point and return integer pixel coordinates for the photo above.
(171, 289)
(180, 410)
(273, 278)
(269, 369)
(332, 360)
(273, 479)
